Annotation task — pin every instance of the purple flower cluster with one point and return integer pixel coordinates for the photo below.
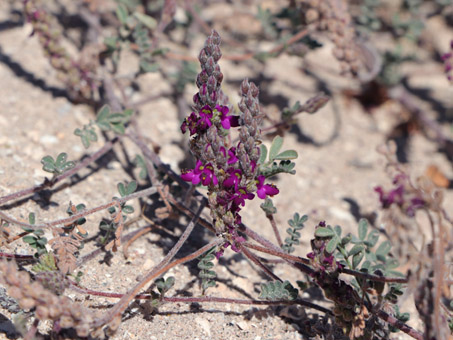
(200, 123)
(229, 187)
(230, 172)
(402, 195)
(447, 58)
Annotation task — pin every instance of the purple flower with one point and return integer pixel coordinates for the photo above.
(201, 173)
(190, 123)
(225, 120)
(265, 189)
(231, 154)
(416, 203)
(394, 196)
(205, 117)
(241, 195)
(234, 179)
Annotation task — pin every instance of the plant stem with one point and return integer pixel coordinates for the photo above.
(161, 268)
(271, 219)
(400, 325)
(256, 261)
(84, 213)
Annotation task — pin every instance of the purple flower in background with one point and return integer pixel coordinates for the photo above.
(393, 196)
(201, 173)
(265, 189)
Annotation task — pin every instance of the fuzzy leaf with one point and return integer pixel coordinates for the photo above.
(118, 128)
(128, 209)
(146, 20)
(121, 13)
(356, 259)
(383, 249)
(103, 113)
(332, 245)
(275, 147)
(263, 154)
(61, 159)
(121, 189)
(372, 238)
(363, 228)
(285, 155)
(131, 187)
(31, 218)
(356, 249)
(324, 232)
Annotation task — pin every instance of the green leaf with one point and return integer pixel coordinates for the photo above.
(31, 218)
(131, 187)
(140, 163)
(275, 147)
(169, 282)
(356, 259)
(324, 232)
(128, 114)
(391, 263)
(38, 232)
(48, 164)
(122, 14)
(372, 238)
(121, 189)
(111, 42)
(61, 159)
(356, 249)
(363, 228)
(285, 155)
(345, 240)
(146, 66)
(103, 113)
(146, 20)
(337, 230)
(332, 245)
(263, 154)
(29, 239)
(383, 249)
(116, 118)
(118, 128)
(128, 209)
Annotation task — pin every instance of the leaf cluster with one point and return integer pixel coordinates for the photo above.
(270, 167)
(106, 121)
(205, 265)
(163, 286)
(296, 224)
(278, 290)
(36, 240)
(57, 166)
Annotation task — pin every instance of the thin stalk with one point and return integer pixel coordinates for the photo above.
(256, 261)
(161, 268)
(84, 213)
(203, 299)
(271, 219)
(400, 325)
